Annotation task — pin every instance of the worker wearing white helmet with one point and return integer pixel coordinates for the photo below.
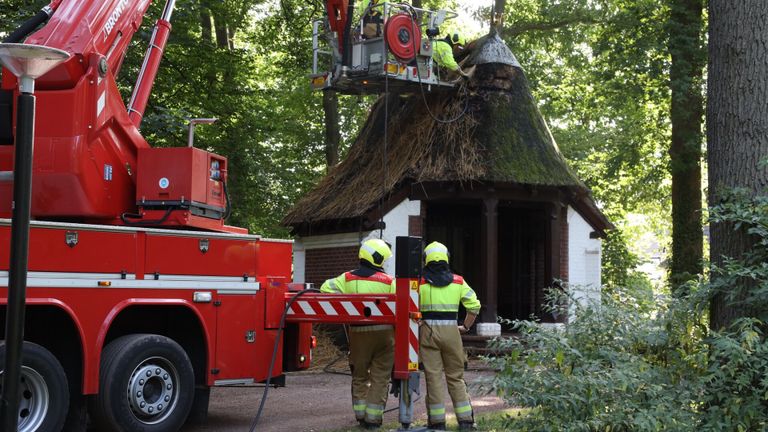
(372, 347)
(441, 292)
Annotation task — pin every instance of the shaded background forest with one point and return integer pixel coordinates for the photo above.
(621, 85)
(599, 69)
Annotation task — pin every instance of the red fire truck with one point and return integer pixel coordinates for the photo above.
(139, 298)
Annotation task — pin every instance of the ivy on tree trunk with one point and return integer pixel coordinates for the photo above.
(688, 57)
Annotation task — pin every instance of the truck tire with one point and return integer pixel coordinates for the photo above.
(199, 412)
(44, 389)
(146, 384)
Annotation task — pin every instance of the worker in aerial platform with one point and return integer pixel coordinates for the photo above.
(441, 350)
(373, 22)
(445, 51)
(372, 347)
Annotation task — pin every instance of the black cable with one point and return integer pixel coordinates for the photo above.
(412, 12)
(346, 52)
(274, 354)
(386, 138)
(125, 216)
(327, 368)
(29, 26)
(228, 209)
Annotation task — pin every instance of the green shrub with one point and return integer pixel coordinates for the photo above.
(647, 363)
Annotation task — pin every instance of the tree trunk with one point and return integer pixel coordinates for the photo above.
(687, 110)
(332, 133)
(206, 33)
(231, 36)
(222, 34)
(206, 28)
(737, 121)
(497, 17)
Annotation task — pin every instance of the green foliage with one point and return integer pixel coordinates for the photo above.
(737, 379)
(618, 261)
(744, 280)
(599, 69)
(647, 363)
(267, 117)
(15, 12)
(614, 367)
(248, 69)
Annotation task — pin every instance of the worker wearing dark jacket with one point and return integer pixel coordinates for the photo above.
(441, 351)
(370, 13)
(372, 347)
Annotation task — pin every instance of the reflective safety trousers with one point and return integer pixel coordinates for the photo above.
(372, 348)
(442, 353)
(371, 357)
(448, 298)
(349, 283)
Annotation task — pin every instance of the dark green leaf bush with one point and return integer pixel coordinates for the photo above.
(643, 362)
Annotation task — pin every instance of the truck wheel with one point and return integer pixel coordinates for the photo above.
(44, 389)
(146, 384)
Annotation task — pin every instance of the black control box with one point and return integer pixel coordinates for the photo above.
(408, 258)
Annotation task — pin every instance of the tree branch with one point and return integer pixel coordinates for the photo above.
(519, 28)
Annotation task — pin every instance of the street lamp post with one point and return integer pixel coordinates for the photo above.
(27, 62)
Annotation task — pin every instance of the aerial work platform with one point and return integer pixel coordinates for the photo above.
(386, 48)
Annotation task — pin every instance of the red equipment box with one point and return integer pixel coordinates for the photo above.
(183, 176)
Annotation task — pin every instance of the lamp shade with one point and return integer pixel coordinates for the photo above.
(30, 61)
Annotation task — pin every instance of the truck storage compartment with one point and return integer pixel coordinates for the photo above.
(182, 177)
(204, 255)
(71, 248)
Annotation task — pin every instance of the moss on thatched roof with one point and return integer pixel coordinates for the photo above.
(500, 138)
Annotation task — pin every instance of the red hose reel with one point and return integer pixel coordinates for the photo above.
(403, 37)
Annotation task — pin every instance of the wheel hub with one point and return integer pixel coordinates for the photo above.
(152, 390)
(33, 400)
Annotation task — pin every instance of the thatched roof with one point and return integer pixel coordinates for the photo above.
(500, 138)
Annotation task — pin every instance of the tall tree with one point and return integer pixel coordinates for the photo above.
(686, 115)
(737, 121)
(497, 18)
(600, 73)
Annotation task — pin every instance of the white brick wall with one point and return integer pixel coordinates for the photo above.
(584, 253)
(584, 259)
(396, 222)
(302, 244)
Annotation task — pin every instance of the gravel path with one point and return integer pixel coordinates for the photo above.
(311, 402)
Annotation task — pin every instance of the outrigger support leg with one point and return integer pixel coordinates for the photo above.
(408, 274)
(407, 388)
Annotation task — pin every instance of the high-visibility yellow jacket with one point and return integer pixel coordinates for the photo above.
(448, 298)
(361, 5)
(443, 55)
(350, 283)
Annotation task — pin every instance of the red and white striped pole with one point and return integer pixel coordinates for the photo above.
(408, 273)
